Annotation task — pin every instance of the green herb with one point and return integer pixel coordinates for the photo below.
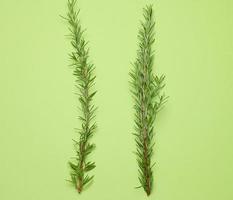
(83, 72)
(146, 89)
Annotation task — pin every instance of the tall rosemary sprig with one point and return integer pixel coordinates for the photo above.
(146, 89)
(83, 72)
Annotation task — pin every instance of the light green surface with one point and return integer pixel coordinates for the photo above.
(194, 140)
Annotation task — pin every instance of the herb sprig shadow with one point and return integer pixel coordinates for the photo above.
(146, 88)
(83, 71)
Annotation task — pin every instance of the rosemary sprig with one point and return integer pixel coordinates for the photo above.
(146, 88)
(83, 72)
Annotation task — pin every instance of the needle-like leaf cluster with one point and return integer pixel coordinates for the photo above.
(83, 72)
(146, 88)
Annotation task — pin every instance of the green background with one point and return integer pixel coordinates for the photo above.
(194, 133)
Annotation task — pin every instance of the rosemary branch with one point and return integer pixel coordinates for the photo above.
(85, 80)
(146, 88)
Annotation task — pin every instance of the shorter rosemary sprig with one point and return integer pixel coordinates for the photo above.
(146, 89)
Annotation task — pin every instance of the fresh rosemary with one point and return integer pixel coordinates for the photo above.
(146, 89)
(85, 80)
